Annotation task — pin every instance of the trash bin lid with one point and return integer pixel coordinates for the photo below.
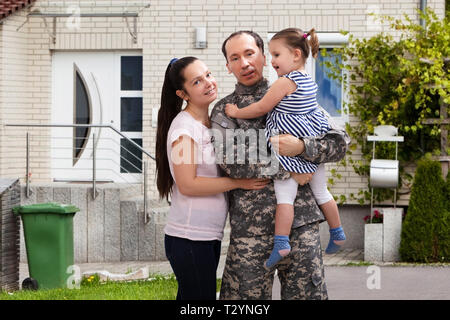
(49, 207)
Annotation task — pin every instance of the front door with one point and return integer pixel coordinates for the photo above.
(97, 88)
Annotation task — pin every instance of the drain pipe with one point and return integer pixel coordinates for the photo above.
(423, 6)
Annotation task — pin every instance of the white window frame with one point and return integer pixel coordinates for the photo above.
(326, 40)
(127, 94)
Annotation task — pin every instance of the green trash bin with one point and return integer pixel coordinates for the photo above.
(48, 231)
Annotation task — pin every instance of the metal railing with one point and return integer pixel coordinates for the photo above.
(144, 164)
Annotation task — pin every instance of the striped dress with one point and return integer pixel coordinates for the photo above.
(299, 115)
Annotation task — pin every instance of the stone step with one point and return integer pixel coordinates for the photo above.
(110, 228)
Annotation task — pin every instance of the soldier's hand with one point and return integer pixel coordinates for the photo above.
(252, 184)
(287, 145)
(231, 110)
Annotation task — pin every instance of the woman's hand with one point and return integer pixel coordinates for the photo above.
(231, 110)
(287, 145)
(251, 184)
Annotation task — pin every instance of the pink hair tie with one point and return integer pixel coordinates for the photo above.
(305, 35)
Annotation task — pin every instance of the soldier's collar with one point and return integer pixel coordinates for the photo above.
(259, 87)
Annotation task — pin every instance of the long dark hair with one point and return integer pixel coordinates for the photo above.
(170, 106)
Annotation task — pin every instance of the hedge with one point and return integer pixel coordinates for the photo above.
(426, 229)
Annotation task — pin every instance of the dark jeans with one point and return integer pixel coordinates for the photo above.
(194, 264)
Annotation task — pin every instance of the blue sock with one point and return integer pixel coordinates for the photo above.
(338, 235)
(281, 248)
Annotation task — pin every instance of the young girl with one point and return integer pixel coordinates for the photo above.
(186, 170)
(293, 108)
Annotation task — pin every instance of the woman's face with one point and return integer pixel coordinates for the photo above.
(200, 87)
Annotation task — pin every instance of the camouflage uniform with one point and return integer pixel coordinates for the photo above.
(252, 212)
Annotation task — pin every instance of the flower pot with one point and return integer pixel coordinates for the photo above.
(382, 240)
(373, 242)
(392, 229)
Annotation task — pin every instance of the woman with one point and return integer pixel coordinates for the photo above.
(186, 169)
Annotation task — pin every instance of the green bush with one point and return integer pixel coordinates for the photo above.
(394, 80)
(426, 230)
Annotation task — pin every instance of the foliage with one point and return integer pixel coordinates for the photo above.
(395, 81)
(91, 280)
(425, 233)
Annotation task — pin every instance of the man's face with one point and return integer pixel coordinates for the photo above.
(245, 59)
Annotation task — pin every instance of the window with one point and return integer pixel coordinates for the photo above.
(330, 90)
(130, 156)
(331, 95)
(131, 112)
(82, 115)
(131, 73)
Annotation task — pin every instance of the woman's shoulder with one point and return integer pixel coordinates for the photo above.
(185, 124)
(183, 119)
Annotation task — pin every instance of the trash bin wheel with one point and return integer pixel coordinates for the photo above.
(30, 284)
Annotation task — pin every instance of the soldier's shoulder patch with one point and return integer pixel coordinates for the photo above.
(223, 121)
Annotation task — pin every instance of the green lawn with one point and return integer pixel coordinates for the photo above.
(156, 288)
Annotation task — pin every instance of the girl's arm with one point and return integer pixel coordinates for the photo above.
(183, 155)
(279, 89)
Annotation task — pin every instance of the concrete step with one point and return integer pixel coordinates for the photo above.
(112, 226)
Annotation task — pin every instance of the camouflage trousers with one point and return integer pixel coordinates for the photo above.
(301, 273)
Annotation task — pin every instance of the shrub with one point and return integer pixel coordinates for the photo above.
(426, 229)
(395, 81)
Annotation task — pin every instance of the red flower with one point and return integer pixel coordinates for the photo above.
(376, 218)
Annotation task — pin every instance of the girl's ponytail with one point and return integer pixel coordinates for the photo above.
(170, 106)
(313, 43)
(296, 38)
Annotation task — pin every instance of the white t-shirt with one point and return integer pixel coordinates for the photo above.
(195, 217)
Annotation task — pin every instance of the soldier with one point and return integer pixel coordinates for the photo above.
(252, 213)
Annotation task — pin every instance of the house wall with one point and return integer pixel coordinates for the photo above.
(17, 93)
(165, 30)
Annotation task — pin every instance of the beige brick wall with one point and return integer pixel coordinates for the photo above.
(19, 95)
(165, 30)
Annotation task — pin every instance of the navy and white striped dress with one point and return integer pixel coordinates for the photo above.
(299, 115)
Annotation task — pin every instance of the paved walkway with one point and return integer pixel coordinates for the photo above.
(344, 281)
(386, 283)
(163, 267)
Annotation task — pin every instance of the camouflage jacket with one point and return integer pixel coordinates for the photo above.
(242, 152)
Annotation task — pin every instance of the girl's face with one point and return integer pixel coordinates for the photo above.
(200, 87)
(284, 58)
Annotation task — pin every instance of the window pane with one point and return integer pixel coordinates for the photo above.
(130, 156)
(131, 114)
(82, 116)
(330, 90)
(131, 73)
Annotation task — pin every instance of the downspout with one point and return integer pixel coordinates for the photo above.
(423, 6)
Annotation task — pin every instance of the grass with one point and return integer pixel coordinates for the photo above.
(157, 287)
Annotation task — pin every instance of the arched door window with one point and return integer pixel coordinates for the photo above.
(82, 114)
